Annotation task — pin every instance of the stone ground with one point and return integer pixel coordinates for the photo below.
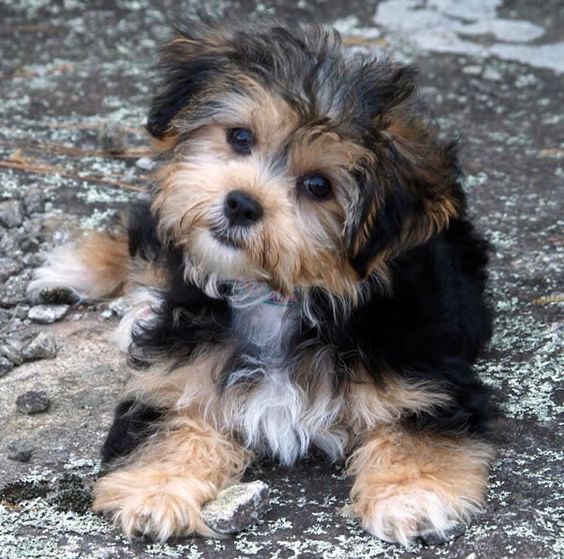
(490, 70)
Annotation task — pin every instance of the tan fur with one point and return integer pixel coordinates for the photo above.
(161, 489)
(106, 257)
(406, 483)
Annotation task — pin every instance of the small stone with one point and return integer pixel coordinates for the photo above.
(11, 213)
(431, 537)
(21, 311)
(107, 314)
(9, 267)
(145, 163)
(58, 296)
(11, 352)
(47, 314)
(20, 451)
(472, 70)
(119, 306)
(490, 73)
(5, 366)
(43, 346)
(33, 402)
(236, 508)
(112, 138)
(34, 202)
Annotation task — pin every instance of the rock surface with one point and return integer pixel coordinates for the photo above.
(237, 508)
(20, 451)
(68, 67)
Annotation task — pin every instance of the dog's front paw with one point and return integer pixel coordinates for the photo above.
(408, 513)
(152, 503)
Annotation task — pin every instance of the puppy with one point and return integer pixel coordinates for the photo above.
(304, 275)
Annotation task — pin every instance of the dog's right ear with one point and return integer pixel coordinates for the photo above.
(189, 63)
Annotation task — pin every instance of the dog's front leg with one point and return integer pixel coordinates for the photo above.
(161, 488)
(407, 483)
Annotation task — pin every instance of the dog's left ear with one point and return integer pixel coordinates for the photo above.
(409, 194)
(190, 64)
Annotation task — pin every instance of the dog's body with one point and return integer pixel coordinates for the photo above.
(304, 274)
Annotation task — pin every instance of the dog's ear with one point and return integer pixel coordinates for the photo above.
(409, 193)
(190, 63)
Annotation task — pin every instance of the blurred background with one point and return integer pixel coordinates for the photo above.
(75, 82)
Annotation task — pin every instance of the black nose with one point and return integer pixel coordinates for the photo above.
(241, 209)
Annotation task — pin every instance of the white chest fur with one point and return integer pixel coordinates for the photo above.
(279, 415)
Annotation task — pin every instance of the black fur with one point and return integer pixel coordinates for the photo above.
(133, 423)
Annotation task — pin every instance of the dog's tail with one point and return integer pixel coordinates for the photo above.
(105, 264)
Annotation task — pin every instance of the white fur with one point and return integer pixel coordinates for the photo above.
(144, 302)
(277, 415)
(63, 268)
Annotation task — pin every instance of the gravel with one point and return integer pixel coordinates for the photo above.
(236, 508)
(33, 402)
(47, 314)
(5, 366)
(11, 214)
(11, 353)
(9, 267)
(43, 346)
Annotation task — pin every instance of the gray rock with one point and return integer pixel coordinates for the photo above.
(43, 346)
(112, 138)
(8, 267)
(11, 213)
(34, 202)
(58, 296)
(145, 163)
(20, 451)
(237, 507)
(5, 366)
(119, 306)
(47, 314)
(33, 402)
(451, 533)
(21, 311)
(11, 353)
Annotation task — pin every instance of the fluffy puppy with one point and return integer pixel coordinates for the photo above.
(304, 275)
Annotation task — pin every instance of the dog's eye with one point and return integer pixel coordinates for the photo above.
(315, 186)
(241, 140)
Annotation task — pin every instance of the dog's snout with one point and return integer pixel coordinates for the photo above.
(241, 209)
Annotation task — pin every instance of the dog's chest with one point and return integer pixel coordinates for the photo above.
(276, 413)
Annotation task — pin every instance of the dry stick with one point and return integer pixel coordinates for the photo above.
(84, 126)
(133, 153)
(49, 169)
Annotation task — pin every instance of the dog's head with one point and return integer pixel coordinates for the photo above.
(288, 161)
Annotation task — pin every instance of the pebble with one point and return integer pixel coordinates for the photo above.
(11, 213)
(34, 202)
(5, 366)
(145, 163)
(58, 296)
(11, 352)
(47, 314)
(119, 306)
(43, 346)
(32, 402)
(112, 138)
(9, 267)
(432, 538)
(20, 451)
(107, 314)
(236, 508)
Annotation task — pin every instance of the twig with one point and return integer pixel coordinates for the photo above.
(77, 126)
(133, 153)
(50, 170)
